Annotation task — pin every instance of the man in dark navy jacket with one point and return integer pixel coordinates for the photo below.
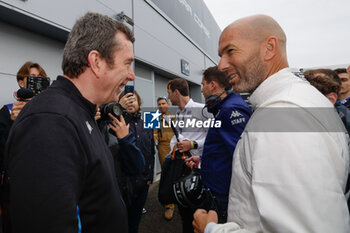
(61, 171)
(220, 143)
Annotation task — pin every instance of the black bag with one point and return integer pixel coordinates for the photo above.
(173, 169)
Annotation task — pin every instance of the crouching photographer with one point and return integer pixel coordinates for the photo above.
(31, 79)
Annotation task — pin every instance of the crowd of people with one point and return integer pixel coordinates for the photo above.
(278, 165)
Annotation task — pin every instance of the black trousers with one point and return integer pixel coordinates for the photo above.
(187, 218)
(135, 211)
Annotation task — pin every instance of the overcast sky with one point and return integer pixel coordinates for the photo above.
(318, 31)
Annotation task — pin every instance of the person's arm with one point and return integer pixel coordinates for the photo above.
(7, 118)
(156, 136)
(154, 144)
(133, 159)
(232, 126)
(206, 222)
(300, 173)
(173, 141)
(132, 156)
(47, 169)
(5, 126)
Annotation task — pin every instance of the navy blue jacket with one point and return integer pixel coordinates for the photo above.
(128, 159)
(144, 141)
(220, 143)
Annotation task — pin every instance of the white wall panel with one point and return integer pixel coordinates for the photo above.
(65, 13)
(18, 46)
(158, 42)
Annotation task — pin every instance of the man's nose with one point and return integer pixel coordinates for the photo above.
(131, 75)
(223, 64)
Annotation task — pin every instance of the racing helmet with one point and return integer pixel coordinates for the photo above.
(189, 190)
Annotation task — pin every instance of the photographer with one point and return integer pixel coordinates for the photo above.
(144, 140)
(128, 159)
(8, 114)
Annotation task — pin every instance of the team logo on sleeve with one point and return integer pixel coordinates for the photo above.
(236, 118)
(151, 120)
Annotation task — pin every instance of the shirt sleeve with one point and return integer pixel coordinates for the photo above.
(156, 136)
(297, 183)
(132, 156)
(233, 122)
(46, 168)
(5, 126)
(224, 228)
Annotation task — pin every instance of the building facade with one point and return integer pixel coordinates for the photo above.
(174, 38)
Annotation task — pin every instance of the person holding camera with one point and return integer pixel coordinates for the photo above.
(220, 143)
(144, 141)
(128, 158)
(61, 171)
(8, 115)
(9, 112)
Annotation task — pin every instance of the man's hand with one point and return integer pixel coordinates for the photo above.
(16, 109)
(184, 146)
(201, 218)
(120, 128)
(192, 161)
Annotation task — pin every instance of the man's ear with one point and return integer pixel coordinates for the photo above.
(332, 97)
(271, 47)
(95, 62)
(177, 93)
(213, 85)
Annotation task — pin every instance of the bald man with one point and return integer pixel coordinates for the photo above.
(291, 163)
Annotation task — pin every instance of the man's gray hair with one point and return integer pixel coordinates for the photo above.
(91, 32)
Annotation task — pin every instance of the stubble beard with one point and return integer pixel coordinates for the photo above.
(252, 76)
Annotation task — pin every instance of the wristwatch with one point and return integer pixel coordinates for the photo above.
(195, 145)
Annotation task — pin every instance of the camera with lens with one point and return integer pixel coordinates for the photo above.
(37, 84)
(114, 108)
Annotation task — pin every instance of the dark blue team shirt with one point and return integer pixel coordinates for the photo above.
(220, 143)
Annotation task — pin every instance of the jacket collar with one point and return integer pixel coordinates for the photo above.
(71, 90)
(270, 86)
